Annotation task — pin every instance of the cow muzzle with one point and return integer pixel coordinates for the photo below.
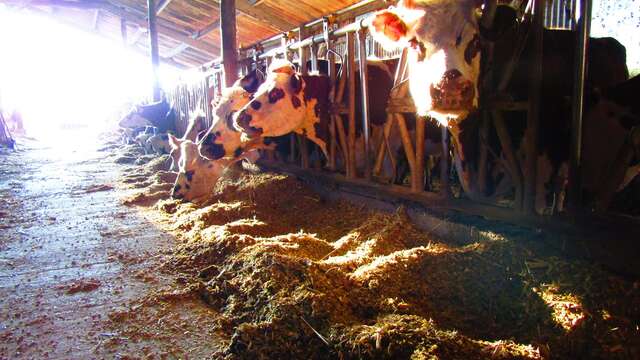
(175, 193)
(453, 93)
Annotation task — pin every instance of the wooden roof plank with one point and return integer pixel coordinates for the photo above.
(129, 16)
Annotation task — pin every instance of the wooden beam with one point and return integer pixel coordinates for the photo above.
(228, 39)
(136, 49)
(176, 50)
(136, 36)
(153, 45)
(138, 19)
(85, 4)
(162, 4)
(207, 29)
(263, 15)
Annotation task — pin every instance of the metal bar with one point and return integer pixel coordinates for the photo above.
(345, 14)
(417, 175)
(351, 66)
(153, 45)
(302, 54)
(580, 61)
(364, 90)
(445, 191)
(319, 38)
(533, 115)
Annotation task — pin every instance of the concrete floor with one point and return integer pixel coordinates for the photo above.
(71, 256)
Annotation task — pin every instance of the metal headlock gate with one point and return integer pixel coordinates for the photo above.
(344, 39)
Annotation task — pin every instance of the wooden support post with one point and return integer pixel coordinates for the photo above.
(406, 141)
(396, 92)
(533, 117)
(512, 161)
(123, 31)
(228, 38)
(302, 54)
(351, 66)
(384, 144)
(153, 45)
(445, 191)
(364, 91)
(580, 61)
(417, 175)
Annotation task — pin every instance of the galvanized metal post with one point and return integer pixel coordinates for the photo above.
(533, 115)
(153, 45)
(364, 87)
(582, 41)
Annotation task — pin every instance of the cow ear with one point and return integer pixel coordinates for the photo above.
(174, 142)
(296, 83)
(388, 28)
(282, 67)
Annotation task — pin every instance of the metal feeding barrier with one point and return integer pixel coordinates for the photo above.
(342, 45)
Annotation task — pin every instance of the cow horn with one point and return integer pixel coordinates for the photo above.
(488, 13)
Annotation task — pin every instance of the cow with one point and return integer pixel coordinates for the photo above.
(196, 175)
(159, 143)
(194, 132)
(287, 102)
(444, 61)
(144, 135)
(159, 114)
(443, 76)
(222, 139)
(611, 121)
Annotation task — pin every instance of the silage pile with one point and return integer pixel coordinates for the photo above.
(293, 276)
(146, 175)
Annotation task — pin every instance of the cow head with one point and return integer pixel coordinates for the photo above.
(196, 175)
(133, 120)
(222, 139)
(287, 102)
(444, 61)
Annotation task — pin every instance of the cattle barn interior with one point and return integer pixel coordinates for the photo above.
(275, 179)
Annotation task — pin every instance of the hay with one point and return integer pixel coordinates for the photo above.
(292, 276)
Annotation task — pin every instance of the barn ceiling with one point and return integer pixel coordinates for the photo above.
(188, 30)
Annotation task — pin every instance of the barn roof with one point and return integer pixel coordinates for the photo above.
(188, 29)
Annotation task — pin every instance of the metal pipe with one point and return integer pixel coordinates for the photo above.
(317, 39)
(583, 27)
(364, 88)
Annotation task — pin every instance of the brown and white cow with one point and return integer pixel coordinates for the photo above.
(287, 102)
(196, 175)
(443, 62)
(222, 139)
(195, 129)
